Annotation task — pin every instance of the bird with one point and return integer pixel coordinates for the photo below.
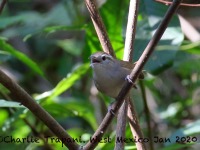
(109, 73)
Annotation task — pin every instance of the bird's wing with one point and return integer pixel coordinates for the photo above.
(130, 66)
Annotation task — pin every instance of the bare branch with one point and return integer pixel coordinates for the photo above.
(99, 27)
(182, 4)
(25, 99)
(131, 30)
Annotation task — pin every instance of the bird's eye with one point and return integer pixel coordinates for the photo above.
(103, 57)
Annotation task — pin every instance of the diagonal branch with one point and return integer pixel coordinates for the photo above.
(133, 76)
(99, 27)
(182, 4)
(25, 99)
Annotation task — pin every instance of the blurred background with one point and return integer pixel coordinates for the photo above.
(45, 45)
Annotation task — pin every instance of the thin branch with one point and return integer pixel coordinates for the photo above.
(128, 55)
(3, 3)
(182, 4)
(147, 113)
(131, 30)
(99, 27)
(25, 99)
(133, 76)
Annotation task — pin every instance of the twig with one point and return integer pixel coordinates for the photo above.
(182, 4)
(147, 113)
(3, 3)
(133, 76)
(130, 38)
(131, 30)
(99, 27)
(25, 99)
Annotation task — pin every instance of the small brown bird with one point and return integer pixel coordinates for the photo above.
(109, 73)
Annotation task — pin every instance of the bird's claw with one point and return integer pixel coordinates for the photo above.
(130, 81)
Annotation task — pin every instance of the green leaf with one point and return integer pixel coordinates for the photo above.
(4, 103)
(151, 14)
(65, 83)
(22, 57)
(71, 78)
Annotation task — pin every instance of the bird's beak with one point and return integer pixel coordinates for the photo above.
(94, 59)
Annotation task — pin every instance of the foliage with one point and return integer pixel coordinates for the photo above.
(45, 48)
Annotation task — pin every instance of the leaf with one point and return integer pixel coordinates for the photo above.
(22, 57)
(65, 83)
(4, 103)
